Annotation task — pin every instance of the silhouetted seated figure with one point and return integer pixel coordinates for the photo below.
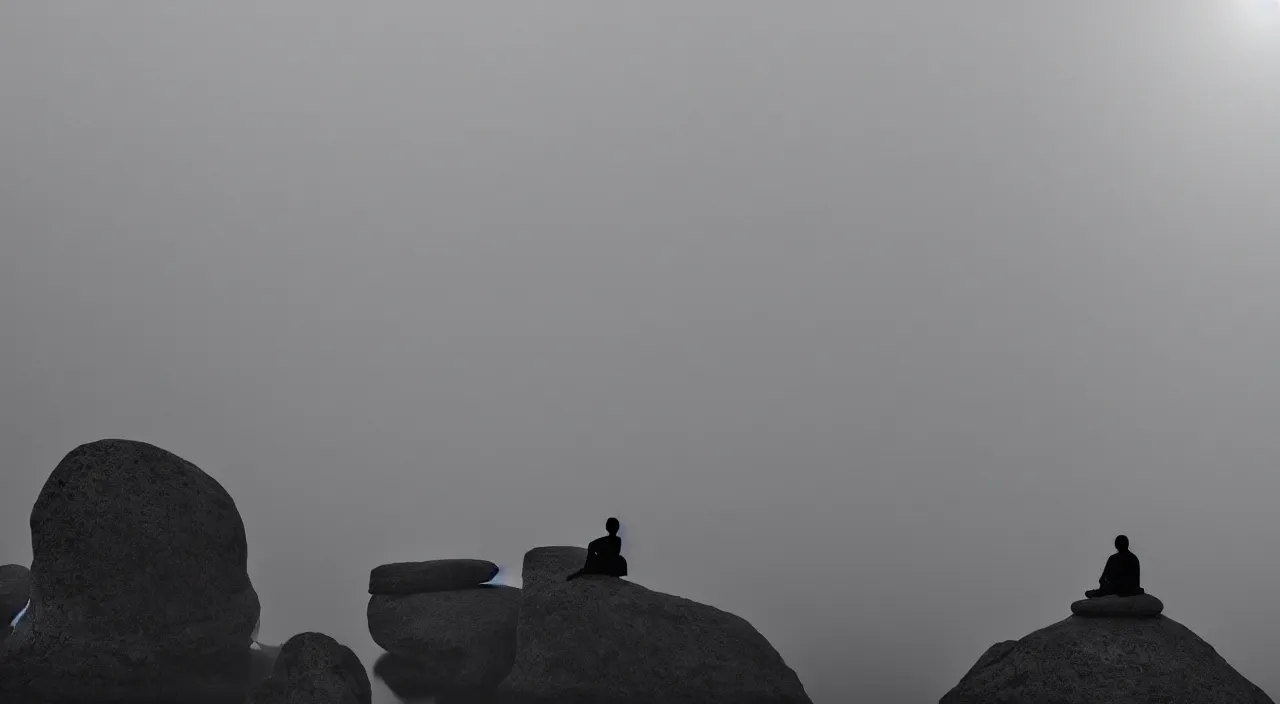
(1121, 575)
(604, 555)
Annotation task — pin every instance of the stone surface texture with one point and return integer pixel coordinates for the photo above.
(601, 639)
(1153, 660)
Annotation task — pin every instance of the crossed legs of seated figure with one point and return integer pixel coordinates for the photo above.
(1111, 591)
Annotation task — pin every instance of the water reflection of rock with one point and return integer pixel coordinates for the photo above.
(463, 638)
(411, 682)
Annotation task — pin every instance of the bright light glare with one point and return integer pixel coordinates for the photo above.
(21, 613)
(1258, 14)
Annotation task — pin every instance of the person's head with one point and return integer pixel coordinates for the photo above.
(1122, 542)
(612, 526)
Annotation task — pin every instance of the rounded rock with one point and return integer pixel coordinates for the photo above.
(314, 668)
(139, 582)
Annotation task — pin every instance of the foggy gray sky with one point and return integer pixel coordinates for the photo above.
(874, 323)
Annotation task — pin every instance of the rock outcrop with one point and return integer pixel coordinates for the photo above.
(316, 669)
(1137, 606)
(430, 576)
(1116, 659)
(460, 638)
(603, 639)
(993, 653)
(139, 586)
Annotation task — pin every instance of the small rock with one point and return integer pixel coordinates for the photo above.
(430, 576)
(1137, 606)
(316, 669)
(459, 638)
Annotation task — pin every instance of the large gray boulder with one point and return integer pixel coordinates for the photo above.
(430, 576)
(1124, 660)
(312, 668)
(601, 639)
(460, 638)
(1136, 606)
(139, 586)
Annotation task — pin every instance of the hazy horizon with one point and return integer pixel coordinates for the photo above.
(873, 323)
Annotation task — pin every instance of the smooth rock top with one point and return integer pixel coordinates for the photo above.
(1089, 660)
(601, 639)
(138, 578)
(15, 587)
(430, 576)
(1137, 606)
(316, 669)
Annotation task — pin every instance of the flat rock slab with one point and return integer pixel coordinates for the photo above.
(430, 576)
(459, 638)
(1137, 606)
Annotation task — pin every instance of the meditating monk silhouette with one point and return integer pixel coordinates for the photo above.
(1121, 575)
(604, 555)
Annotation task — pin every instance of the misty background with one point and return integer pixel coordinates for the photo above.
(874, 323)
